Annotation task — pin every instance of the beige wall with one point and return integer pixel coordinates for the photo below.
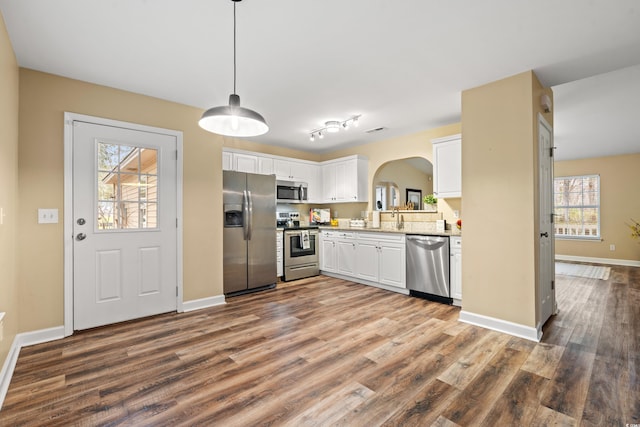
(43, 100)
(499, 184)
(619, 202)
(404, 175)
(414, 145)
(8, 190)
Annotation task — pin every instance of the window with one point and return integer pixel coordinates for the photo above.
(127, 187)
(576, 202)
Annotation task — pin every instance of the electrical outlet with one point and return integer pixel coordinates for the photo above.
(612, 247)
(47, 216)
(456, 214)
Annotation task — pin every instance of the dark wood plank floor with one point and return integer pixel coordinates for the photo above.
(324, 351)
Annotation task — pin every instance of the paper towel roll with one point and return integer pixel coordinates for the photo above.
(375, 220)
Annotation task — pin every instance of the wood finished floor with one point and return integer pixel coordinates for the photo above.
(330, 352)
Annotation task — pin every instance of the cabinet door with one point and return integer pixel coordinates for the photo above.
(265, 165)
(346, 257)
(282, 169)
(329, 182)
(299, 171)
(328, 255)
(245, 163)
(392, 265)
(341, 182)
(367, 260)
(227, 161)
(279, 253)
(315, 184)
(456, 275)
(447, 177)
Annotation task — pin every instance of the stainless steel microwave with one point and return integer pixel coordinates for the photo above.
(291, 192)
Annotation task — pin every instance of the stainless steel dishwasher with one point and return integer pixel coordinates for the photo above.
(428, 267)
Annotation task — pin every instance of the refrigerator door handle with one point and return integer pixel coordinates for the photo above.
(245, 214)
(250, 218)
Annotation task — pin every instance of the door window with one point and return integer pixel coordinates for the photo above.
(127, 187)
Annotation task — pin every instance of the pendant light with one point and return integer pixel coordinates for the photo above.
(232, 119)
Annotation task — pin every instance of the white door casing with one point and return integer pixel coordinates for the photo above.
(546, 273)
(125, 264)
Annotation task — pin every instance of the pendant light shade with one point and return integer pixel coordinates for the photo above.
(232, 119)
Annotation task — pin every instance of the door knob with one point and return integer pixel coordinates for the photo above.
(81, 236)
(81, 221)
(545, 234)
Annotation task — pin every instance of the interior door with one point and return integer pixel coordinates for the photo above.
(546, 276)
(125, 224)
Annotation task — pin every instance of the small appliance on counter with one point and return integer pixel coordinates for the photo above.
(356, 222)
(320, 216)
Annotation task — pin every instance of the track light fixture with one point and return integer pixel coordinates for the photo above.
(333, 126)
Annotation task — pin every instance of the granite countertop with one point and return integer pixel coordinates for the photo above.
(391, 230)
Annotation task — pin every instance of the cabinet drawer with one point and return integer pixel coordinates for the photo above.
(345, 235)
(381, 237)
(455, 243)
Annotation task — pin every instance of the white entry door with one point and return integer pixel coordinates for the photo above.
(124, 224)
(546, 276)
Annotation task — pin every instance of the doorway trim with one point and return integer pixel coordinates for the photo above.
(69, 118)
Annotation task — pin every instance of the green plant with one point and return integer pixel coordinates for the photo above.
(430, 199)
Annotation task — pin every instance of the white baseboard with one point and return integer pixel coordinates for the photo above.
(610, 261)
(198, 304)
(504, 326)
(7, 369)
(403, 291)
(24, 340)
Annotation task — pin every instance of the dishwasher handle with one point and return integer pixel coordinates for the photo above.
(428, 242)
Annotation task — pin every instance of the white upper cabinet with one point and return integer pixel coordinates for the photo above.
(313, 179)
(447, 167)
(333, 181)
(345, 180)
(265, 165)
(245, 163)
(227, 161)
(290, 170)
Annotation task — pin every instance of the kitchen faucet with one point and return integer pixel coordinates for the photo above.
(399, 223)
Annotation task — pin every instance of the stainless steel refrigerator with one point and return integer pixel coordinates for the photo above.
(249, 237)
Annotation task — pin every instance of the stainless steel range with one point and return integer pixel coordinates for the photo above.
(301, 247)
(301, 253)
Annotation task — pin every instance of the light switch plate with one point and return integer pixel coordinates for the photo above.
(47, 216)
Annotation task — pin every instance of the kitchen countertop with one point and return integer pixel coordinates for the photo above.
(449, 233)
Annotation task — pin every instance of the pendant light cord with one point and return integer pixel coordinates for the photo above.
(234, 47)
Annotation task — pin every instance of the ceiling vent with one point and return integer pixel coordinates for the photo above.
(374, 130)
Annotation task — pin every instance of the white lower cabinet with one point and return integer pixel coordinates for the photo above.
(279, 252)
(392, 264)
(455, 265)
(328, 251)
(371, 258)
(367, 260)
(382, 258)
(346, 253)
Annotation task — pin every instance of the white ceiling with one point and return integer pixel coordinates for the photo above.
(401, 64)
